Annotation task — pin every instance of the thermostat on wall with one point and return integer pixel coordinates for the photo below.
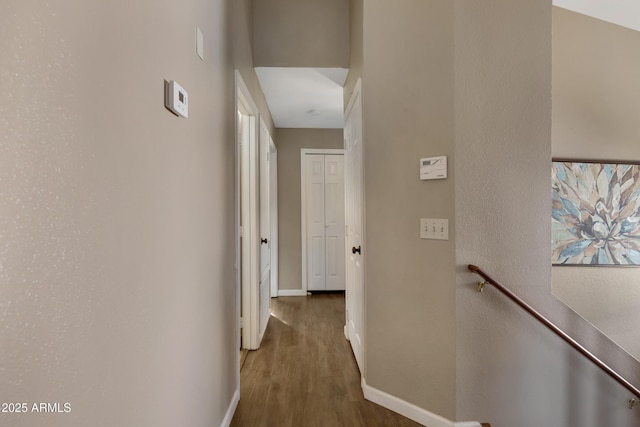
(176, 98)
(433, 168)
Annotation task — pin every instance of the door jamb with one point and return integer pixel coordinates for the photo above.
(245, 105)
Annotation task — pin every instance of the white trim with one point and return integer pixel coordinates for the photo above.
(357, 91)
(303, 201)
(292, 293)
(250, 308)
(410, 410)
(238, 228)
(226, 422)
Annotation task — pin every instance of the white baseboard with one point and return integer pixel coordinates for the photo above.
(292, 293)
(231, 410)
(410, 410)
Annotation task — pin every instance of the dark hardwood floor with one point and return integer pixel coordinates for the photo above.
(304, 374)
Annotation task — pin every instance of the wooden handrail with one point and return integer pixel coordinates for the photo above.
(573, 343)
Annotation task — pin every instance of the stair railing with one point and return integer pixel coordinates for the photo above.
(488, 280)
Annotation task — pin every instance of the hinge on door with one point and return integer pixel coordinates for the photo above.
(240, 231)
(241, 322)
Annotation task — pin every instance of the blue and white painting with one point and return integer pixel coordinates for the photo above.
(595, 218)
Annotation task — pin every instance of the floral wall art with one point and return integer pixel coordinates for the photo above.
(595, 218)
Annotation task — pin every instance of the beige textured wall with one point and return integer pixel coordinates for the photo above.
(408, 114)
(596, 99)
(511, 371)
(117, 283)
(289, 143)
(596, 95)
(242, 54)
(286, 33)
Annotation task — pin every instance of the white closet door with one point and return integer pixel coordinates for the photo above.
(324, 194)
(316, 277)
(334, 222)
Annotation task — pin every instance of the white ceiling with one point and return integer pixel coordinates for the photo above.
(312, 97)
(621, 12)
(304, 97)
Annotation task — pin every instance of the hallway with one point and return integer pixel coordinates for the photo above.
(304, 373)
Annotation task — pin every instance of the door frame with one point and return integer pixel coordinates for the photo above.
(247, 256)
(303, 204)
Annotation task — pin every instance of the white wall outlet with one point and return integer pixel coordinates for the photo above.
(437, 229)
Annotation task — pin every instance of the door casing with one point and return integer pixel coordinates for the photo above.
(247, 220)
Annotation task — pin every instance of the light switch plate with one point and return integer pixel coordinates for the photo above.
(437, 229)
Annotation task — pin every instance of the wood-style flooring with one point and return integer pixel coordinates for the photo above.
(304, 374)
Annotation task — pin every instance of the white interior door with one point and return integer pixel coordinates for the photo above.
(273, 196)
(265, 228)
(314, 170)
(354, 226)
(323, 221)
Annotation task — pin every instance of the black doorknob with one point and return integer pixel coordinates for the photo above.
(263, 240)
(358, 250)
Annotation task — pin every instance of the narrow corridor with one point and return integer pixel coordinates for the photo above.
(304, 374)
